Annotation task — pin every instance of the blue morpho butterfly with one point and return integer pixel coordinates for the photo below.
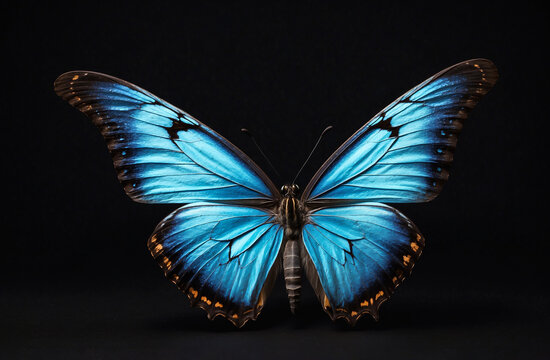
(225, 247)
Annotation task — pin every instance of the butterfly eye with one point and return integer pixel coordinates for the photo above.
(284, 188)
(295, 187)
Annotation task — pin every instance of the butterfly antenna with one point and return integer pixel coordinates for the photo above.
(312, 151)
(247, 132)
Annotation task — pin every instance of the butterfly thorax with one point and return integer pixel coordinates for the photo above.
(291, 209)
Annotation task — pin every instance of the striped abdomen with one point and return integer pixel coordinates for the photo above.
(293, 273)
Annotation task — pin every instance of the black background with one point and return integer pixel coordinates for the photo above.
(77, 279)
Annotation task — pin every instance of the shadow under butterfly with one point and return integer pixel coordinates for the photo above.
(237, 231)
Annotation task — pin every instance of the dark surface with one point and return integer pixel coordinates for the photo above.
(77, 280)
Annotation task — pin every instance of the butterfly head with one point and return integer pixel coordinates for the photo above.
(290, 190)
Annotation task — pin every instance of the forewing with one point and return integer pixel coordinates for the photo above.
(357, 255)
(221, 256)
(161, 153)
(403, 154)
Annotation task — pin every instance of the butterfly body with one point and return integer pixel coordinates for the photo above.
(234, 231)
(292, 215)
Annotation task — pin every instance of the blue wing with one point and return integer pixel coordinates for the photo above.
(358, 255)
(403, 154)
(221, 256)
(359, 250)
(161, 153)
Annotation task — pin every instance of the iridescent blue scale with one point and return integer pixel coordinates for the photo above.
(223, 248)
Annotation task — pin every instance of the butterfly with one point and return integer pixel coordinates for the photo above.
(236, 231)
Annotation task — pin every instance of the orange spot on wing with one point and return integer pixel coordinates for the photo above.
(166, 262)
(354, 313)
(414, 246)
(235, 316)
(75, 77)
(365, 303)
(218, 305)
(193, 292)
(205, 299)
(406, 259)
(379, 294)
(326, 304)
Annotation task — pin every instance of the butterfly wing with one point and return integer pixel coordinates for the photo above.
(221, 256)
(161, 153)
(358, 250)
(403, 154)
(358, 255)
(220, 252)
